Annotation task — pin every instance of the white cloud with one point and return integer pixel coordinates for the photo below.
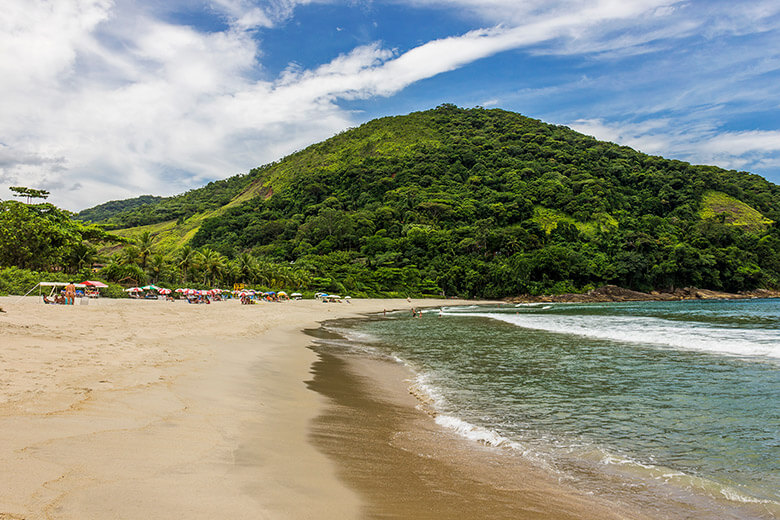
(106, 100)
(698, 144)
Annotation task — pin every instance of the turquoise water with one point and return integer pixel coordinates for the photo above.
(675, 399)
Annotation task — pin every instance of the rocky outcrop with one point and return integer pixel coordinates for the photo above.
(613, 293)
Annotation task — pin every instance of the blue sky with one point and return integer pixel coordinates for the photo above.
(104, 100)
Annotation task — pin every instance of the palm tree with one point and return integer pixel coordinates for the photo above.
(130, 255)
(212, 263)
(264, 274)
(82, 254)
(144, 247)
(247, 268)
(185, 260)
(157, 266)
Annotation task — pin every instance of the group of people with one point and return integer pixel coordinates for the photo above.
(66, 297)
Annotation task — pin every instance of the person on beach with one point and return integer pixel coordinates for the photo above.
(70, 294)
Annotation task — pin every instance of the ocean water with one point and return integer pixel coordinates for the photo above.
(662, 402)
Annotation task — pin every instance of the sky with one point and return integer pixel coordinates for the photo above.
(104, 100)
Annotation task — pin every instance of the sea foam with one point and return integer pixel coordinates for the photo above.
(651, 331)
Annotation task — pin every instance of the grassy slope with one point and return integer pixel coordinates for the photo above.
(327, 155)
(735, 212)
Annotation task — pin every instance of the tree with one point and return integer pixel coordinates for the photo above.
(157, 266)
(185, 260)
(29, 193)
(144, 244)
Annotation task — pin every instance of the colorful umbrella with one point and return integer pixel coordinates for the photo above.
(93, 283)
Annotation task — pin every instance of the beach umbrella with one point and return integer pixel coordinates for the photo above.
(180, 290)
(134, 289)
(165, 291)
(93, 283)
(150, 288)
(347, 297)
(296, 294)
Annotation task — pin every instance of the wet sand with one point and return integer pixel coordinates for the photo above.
(391, 451)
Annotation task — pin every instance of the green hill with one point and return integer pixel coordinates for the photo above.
(476, 202)
(105, 211)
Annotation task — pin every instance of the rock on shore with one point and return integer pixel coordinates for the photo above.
(613, 293)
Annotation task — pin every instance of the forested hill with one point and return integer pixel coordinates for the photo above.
(483, 203)
(104, 212)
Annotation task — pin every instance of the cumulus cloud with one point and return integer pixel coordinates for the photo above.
(108, 99)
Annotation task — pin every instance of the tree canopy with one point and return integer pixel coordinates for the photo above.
(471, 202)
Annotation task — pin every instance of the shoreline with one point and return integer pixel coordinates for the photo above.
(410, 466)
(388, 448)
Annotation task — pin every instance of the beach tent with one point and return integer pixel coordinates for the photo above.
(53, 285)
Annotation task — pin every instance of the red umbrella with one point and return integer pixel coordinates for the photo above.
(93, 283)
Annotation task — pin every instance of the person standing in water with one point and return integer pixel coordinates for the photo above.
(70, 294)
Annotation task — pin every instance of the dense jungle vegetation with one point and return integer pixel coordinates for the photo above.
(468, 202)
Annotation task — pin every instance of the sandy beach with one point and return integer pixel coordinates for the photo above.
(133, 409)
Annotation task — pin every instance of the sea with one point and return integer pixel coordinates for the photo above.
(669, 405)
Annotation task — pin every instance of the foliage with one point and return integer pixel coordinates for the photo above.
(29, 193)
(147, 210)
(107, 210)
(14, 280)
(470, 202)
(44, 237)
(729, 210)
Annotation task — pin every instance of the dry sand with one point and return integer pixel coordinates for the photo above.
(126, 409)
(153, 409)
